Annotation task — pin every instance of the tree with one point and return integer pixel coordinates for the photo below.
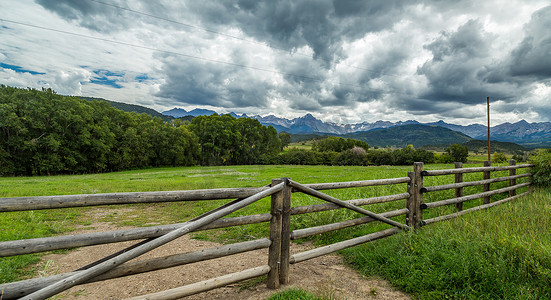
(226, 140)
(42, 132)
(459, 153)
(338, 144)
(285, 139)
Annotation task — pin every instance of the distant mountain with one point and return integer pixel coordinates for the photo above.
(176, 112)
(130, 107)
(531, 135)
(524, 133)
(417, 135)
(366, 126)
(180, 112)
(528, 134)
(477, 131)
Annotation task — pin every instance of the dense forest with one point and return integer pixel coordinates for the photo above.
(42, 132)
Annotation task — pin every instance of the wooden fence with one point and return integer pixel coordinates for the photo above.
(279, 221)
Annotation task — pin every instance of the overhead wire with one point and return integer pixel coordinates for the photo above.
(230, 36)
(187, 55)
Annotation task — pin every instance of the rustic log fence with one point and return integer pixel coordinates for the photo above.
(279, 220)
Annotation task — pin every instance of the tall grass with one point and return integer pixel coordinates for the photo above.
(502, 253)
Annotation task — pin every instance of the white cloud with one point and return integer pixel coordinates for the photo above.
(361, 59)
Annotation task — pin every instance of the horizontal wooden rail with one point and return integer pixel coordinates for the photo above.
(480, 207)
(21, 288)
(206, 285)
(154, 243)
(472, 197)
(300, 257)
(306, 232)
(472, 170)
(345, 204)
(358, 202)
(65, 201)
(470, 183)
(19, 247)
(355, 184)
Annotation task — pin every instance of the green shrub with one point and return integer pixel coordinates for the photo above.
(351, 157)
(380, 157)
(542, 168)
(444, 158)
(458, 153)
(499, 157)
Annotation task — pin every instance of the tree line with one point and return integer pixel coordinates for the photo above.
(43, 133)
(341, 151)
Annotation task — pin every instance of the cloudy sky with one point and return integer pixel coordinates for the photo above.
(344, 61)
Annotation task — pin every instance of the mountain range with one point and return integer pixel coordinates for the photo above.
(530, 135)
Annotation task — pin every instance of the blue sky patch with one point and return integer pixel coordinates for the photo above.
(109, 78)
(19, 69)
(142, 78)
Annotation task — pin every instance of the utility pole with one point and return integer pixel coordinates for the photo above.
(488, 105)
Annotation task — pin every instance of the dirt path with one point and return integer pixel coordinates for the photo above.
(324, 276)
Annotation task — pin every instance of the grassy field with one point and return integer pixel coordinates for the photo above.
(418, 263)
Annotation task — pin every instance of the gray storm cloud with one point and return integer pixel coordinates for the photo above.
(323, 54)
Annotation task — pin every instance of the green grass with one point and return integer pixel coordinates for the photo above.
(298, 146)
(500, 253)
(295, 294)
(22, 225)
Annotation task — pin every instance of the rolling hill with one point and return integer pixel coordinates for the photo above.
(131, 108)
(413, 134)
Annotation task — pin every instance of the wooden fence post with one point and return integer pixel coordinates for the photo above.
(459, 191)
(512, 182)
(285, 233)
(410, 203)
(274, 254)
(487, 175)
(415, 214)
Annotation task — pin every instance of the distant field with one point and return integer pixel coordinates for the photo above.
(32, 224)
(307, 145)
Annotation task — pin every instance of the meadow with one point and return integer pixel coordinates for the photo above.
(504, 252)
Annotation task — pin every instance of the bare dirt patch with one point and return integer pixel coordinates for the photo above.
(325, 276)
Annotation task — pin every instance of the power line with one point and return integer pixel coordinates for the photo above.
(228, 35)
(184, 55)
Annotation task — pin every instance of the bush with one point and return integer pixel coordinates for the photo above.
(351, 157)
(444, 158)
(542, 168)
(409, 155)
(459, 153)
(499, 157)
(520, 157)
(380, 157)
